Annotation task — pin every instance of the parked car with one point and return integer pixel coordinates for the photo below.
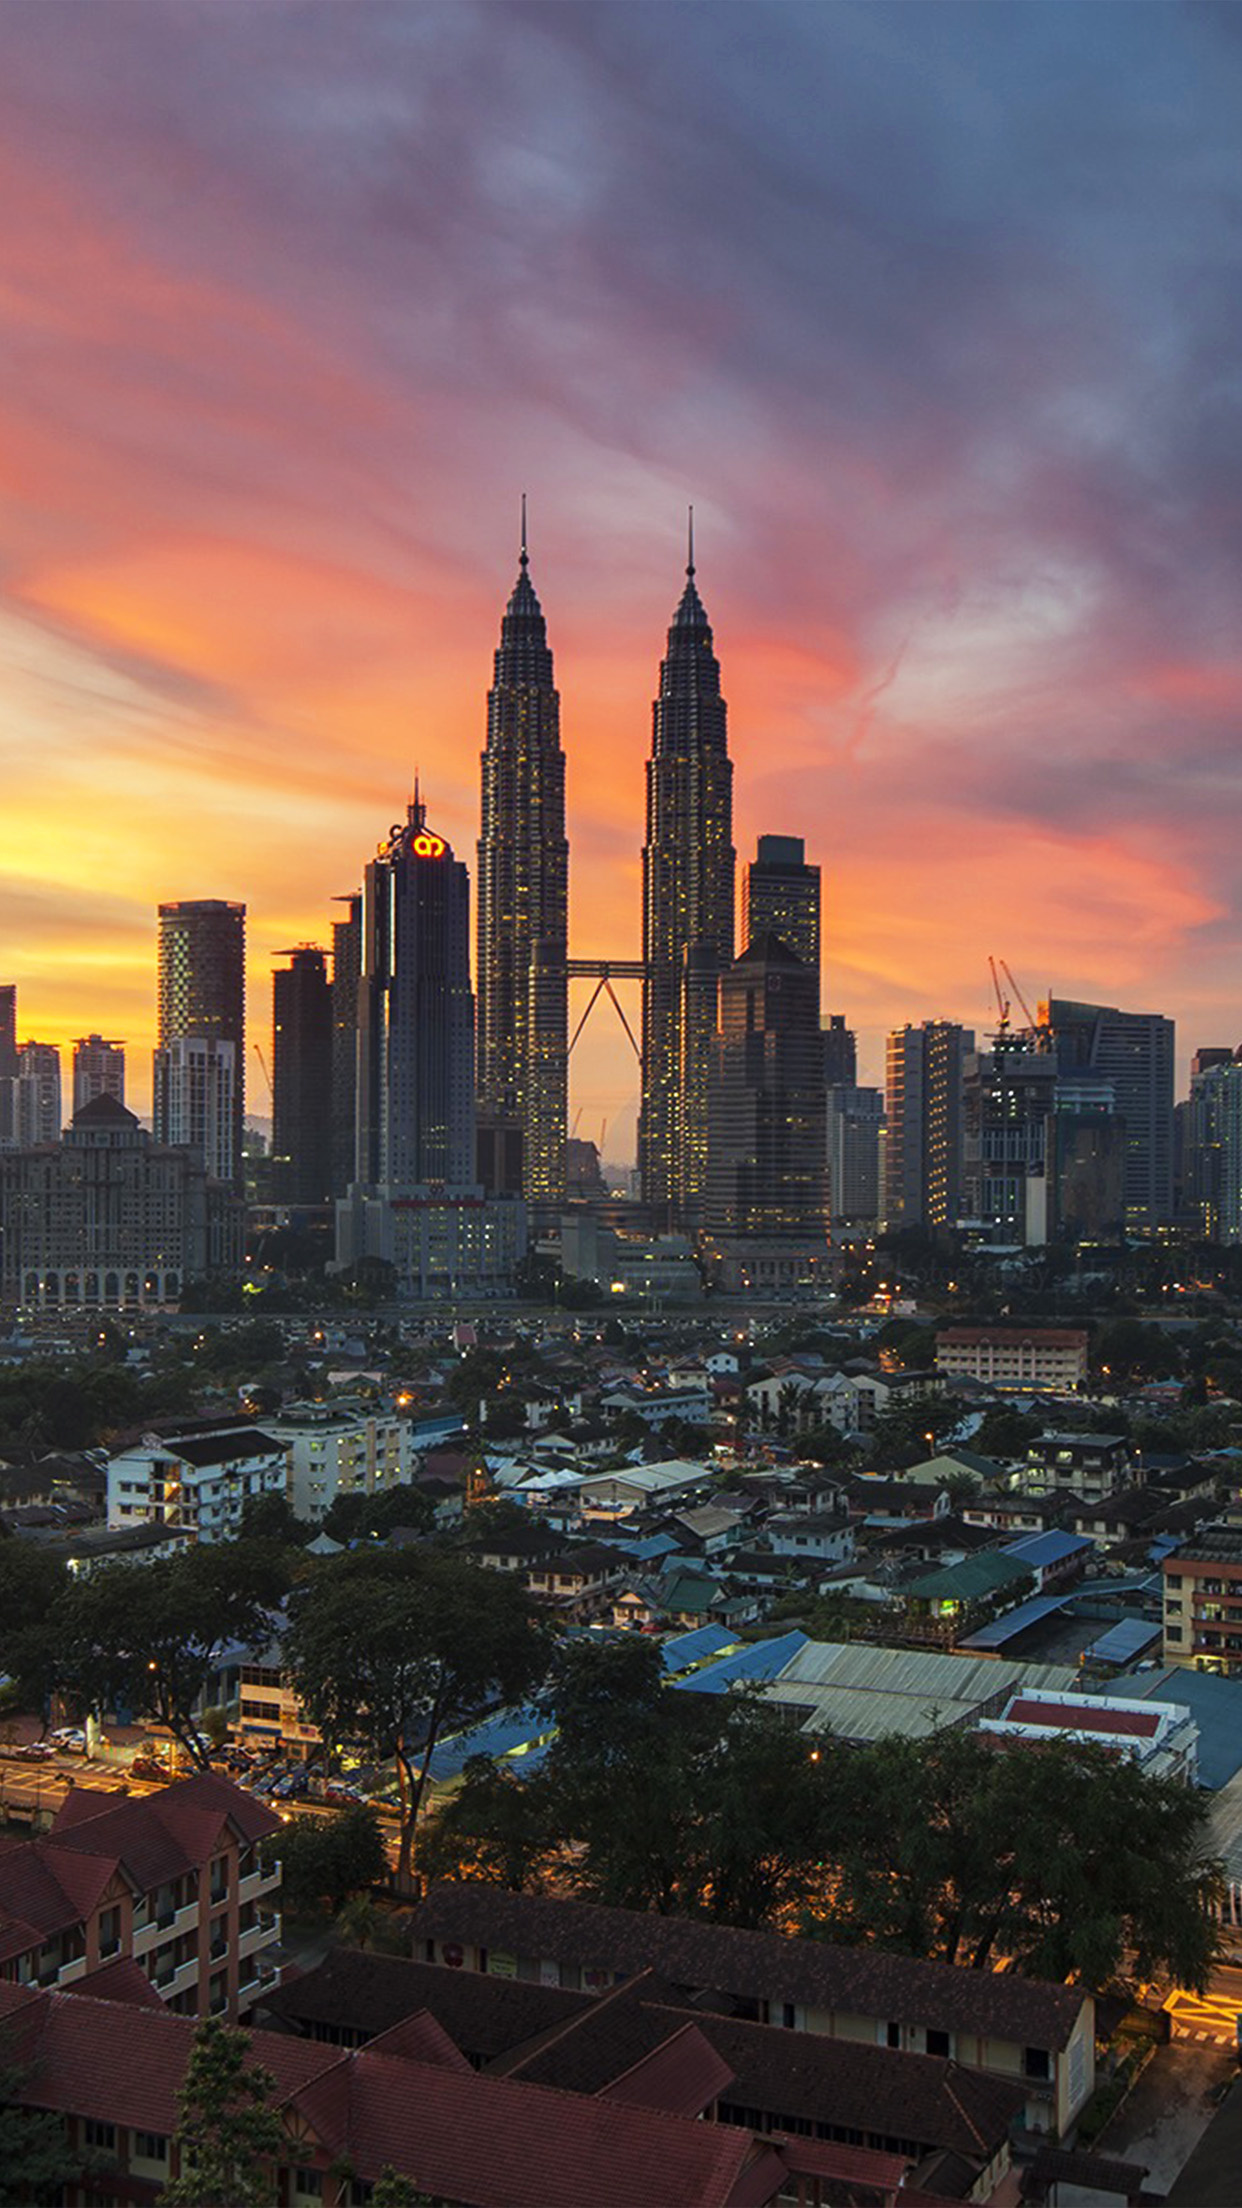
(68, 1740)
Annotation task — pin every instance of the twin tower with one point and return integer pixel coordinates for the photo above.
(523, 964)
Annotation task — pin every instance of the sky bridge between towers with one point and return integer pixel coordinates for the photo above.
(603, 972)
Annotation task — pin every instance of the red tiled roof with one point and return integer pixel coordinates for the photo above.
(683, 2077)
(41, 1896)
(849, 2165)
(419, 2038)
(122, 1980)
(159, 1836)
(1028, 1710)
(498, 2144)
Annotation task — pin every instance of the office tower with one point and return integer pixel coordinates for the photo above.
(202, 994)
(415, 1015)
(39, 1115)
(1212, 1160)
(1132, 1054)
(780, 896)
(196, 1100)
(302, 1077)
(855, 1127)
(923, 1111)
(688, 883)
(1009, 1095)
(346, 967)
(98, 1070)
(8, 1031)
(766, 1207)
(523, 893)
(840, 1052)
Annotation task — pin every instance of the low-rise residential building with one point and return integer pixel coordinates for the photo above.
(1016, 1359)
(611, 1495)
(824, 1536)
(1040, 2036)
(340, 1449)
(199, 1478)
(177, 1882)
(1203, 1601)
(1087, 1465)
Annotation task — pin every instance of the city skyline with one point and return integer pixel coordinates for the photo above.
(930, 313)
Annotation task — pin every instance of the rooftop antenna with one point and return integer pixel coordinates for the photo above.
(690, 546)
(522, 558)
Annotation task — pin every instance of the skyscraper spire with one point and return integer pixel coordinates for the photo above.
(523, 901)
(690, 546)
(688, 879)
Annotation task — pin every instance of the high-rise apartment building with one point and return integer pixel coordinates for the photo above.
(1132, 1053)
(688, 890)
(346, 968)
(39, 1114)
(8, 1031)
(1212, 1147)
(416, 1015)
(523, 900)
(302, 1077)
(923, 1150)
(196, 1092)
(855, 1128)
(98, 1070)
(780, 896)
(202, 994)
(766, 1208)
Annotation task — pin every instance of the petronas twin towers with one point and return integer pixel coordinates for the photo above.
(523, 961)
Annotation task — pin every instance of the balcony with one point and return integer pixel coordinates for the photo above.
(262, 1881)
(263, 1934)
(69, 1971)
(157, 1929)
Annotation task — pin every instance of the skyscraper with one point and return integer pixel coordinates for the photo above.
(8, 1031)
(39, 1114)
(196, 1096)
(415, 1015)
(523, 895)
(766, 1207)
(202, 993)
(780, 896)
(302, 1077)
(688, 884)
(923, 1152)
(346, 967)
(98, 1070)
(1132, 1052)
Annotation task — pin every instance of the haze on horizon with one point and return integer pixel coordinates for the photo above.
(935, 314)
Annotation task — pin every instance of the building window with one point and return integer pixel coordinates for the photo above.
(892, 2035)
(1172, 1632)
(938, 2044)
(98, 2134)
(1036, 2062)
(307, 2185)
(150, 2146)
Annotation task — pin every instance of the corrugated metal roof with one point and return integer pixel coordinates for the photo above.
(1124, 1641)
(1038, 1549)
(761, 1660)
(1000, 1631)
(863, 1693)
(686, 1649)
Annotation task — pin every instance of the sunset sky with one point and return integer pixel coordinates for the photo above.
(933, 311)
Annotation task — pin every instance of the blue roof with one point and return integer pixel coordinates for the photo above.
(1215, 1703)
(500, 1735)
(761, 1660)
(1007, 1628)
(1124, 1641)
(687, 1649)
(655, 1545)
(1040, 1549)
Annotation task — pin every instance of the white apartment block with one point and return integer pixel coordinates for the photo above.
(339, 1449)
(199, 1481)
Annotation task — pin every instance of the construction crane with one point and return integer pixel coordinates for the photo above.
(1002, 1001)
(1033, 1033)
(271, 1095)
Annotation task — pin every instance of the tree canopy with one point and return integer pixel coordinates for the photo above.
(229, 2135)
(390, 1648)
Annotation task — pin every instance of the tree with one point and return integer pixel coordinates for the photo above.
(352, 1516)
(148, 1637)
(389, 1648)
(326, 1859)
(229, 2136)
(271, 1517)
(390, 2190)
(32, 1585)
